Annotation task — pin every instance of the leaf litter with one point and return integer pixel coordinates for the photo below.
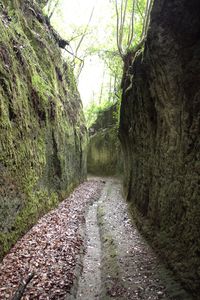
(51, 249)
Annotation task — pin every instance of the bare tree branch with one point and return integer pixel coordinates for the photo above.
(121, 21)
(73, 54)
(130, 40)
(118, 30)
(78, 35)
(80, 68)
(85, 31)
(21, 289)
(146, 18)
(52, 10)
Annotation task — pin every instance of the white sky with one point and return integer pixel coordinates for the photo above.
(77, 12)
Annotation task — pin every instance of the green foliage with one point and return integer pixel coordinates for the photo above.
(93, 110)
(87, 40)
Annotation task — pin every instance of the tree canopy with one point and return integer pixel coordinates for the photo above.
(124, 30)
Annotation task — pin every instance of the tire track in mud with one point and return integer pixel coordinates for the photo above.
(90, 280)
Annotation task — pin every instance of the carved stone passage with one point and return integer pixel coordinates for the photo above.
(159, 132)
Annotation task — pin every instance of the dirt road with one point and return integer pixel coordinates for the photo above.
(86, 249)
(119, 263)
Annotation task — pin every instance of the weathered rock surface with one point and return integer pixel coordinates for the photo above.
(42, 129)
(159, 132)
(104, 148)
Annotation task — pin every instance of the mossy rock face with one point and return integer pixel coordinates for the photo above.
(159, 131)
(104, 152)
(43, 136)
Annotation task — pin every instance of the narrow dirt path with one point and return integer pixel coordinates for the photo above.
(88, 249)
(116, 252)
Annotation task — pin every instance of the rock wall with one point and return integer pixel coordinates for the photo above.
(104, 148)
(159, 132)
(42, 131)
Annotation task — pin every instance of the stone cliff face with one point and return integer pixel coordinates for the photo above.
(42, 130)
(104, 149)
(159, 132)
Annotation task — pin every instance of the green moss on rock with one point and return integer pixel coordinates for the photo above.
(43, 136)
(104, 150)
